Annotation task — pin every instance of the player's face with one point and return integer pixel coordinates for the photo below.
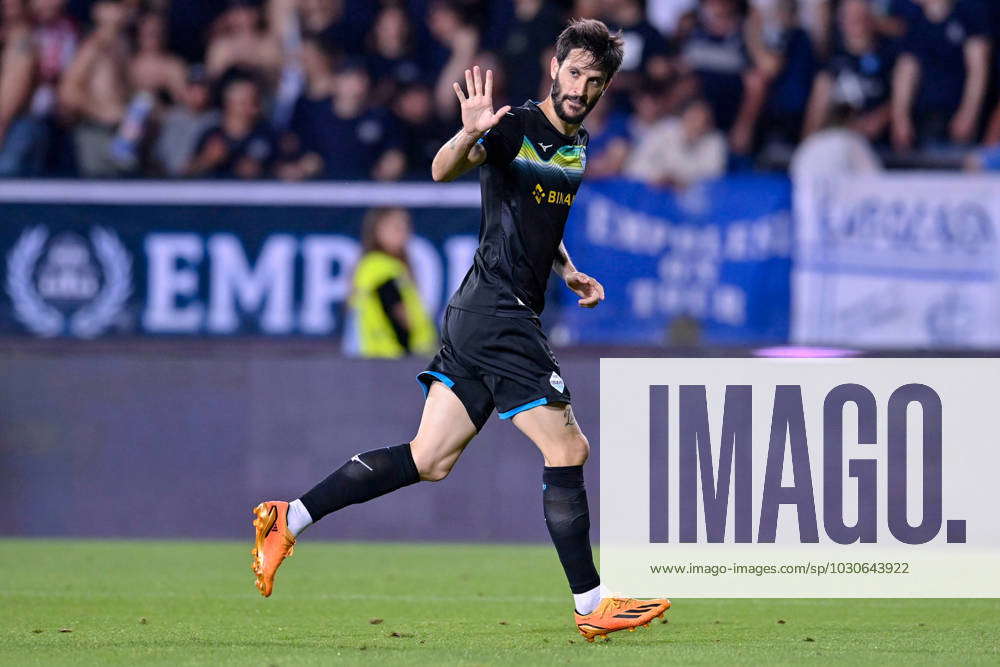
(576, 86)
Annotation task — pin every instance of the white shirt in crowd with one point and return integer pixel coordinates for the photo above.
(665, 14)
(832, 152)
(665, 153)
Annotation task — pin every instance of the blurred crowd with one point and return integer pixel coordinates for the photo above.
(361, 89)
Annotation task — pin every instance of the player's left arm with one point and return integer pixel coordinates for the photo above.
(587, 288)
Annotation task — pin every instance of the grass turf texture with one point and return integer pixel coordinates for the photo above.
(195, 603)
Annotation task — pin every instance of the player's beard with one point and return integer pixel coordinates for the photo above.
(558, 100)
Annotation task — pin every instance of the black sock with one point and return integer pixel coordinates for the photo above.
(362, 478)
(564, 499)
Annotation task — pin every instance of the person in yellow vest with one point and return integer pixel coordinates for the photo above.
(390, 317)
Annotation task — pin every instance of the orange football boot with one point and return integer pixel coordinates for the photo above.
(272, 544)
(614, 614)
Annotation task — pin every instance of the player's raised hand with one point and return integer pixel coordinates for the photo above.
(588, 289)
(477, 108)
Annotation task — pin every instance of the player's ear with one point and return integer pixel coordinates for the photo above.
(553, 68)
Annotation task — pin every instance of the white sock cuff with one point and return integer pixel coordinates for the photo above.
(298, 517)
(587, 602)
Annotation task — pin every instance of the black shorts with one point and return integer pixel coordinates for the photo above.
(495, 362)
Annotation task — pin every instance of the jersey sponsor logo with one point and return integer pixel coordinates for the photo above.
(557, 382)
(545, 147)
(552, 196)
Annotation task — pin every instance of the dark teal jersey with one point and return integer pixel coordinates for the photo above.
(528, 182)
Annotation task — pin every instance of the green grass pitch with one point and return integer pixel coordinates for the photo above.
(120, 602)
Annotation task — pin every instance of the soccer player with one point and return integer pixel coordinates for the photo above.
(494, 354)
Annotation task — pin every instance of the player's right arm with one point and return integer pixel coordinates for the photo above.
(463, 152)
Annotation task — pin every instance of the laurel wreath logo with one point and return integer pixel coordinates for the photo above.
(97, 315)
(90, 320)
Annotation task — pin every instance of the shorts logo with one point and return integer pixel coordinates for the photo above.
(557, 382)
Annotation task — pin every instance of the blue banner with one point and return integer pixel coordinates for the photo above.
(709, 264)
(127, 262)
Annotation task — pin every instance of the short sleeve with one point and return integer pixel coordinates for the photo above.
(975, 19)
(503, 141)
(912, 42)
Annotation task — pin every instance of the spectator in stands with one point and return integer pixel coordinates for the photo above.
(992, 136)
(300, 161)
(679, 152)
(716, 53)
(353, 139)
(342, 32)
(422, 133)
(458, 39)
(528, 49)
(893, 17)
(609, 141)
(39, 43)
(317, 65)
(788, 52)
(587, 9)
(649, 104)
(940, 79)
(858, 74)
(647, 52)
(13, 14)
(95, 91)
(816, 18)
(189, 23)
(390, 318)
(724, 65)
(240, 39)
(752, 70)
(392, 60)
(242, 145)
(55, 38)
(22, 135)
(183, 125)
(153, 68)
(668, 17)
(835, 150)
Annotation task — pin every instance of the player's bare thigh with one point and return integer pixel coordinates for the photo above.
(445, 430)
(554, 431)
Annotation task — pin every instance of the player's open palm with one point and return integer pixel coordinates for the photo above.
(589, 290)
(477, 108)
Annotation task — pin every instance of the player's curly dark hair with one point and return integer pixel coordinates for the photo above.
(592, 36)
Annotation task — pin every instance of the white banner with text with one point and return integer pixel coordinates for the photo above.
(897, 260)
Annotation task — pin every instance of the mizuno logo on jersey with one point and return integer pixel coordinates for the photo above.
(552, 196)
